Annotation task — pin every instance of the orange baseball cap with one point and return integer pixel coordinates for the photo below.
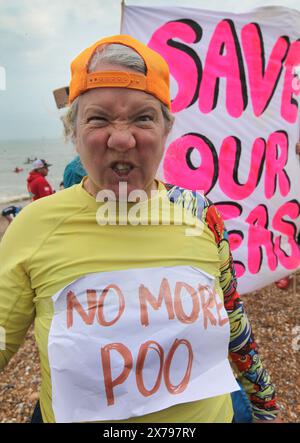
(156, 81)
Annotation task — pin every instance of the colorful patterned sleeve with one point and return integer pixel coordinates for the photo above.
(242, 347)
(243, 350)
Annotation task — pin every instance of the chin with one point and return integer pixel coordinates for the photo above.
(126, 187)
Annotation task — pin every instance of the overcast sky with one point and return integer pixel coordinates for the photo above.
(39, 38)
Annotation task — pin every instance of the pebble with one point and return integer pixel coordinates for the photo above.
(34, 397)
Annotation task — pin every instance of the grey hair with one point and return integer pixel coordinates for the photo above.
(113, 54)
(116, 54)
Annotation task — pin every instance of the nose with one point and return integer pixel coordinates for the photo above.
(121, 139)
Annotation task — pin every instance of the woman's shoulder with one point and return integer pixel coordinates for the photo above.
(51, 203)
(41, 216)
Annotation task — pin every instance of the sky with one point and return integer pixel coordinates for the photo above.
(39, 39)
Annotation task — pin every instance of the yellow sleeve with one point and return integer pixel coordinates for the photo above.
(16, 296)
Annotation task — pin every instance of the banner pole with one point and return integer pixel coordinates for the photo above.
(122, 14)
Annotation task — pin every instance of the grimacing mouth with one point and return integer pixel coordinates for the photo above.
(122, 166)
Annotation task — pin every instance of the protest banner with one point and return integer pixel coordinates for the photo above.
(235, 96)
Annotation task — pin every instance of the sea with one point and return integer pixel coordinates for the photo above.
(15, 154)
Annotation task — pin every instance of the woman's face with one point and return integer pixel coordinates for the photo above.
(120, 137)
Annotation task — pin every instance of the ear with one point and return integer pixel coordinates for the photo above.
(169, 125)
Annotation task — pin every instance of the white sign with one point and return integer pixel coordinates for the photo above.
(127, 343)
(235, 96)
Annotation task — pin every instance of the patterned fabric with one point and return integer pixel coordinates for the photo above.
(242, 347)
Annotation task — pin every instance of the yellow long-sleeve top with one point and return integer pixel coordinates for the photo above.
(56, 241)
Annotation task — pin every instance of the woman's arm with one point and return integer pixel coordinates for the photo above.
(242, 347)
(16, 296)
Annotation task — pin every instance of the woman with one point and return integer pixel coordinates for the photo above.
(135, 304)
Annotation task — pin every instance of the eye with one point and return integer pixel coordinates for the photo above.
(96, 119)
(145, 118)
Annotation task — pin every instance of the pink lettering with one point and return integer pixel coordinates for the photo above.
(229, 160)
(224, 60)
(235, 239)
(177, 55)
(259, 236)
(289, 230)
(178, 166)
(240, 268)
(289, 106)
(229, 210)
(262, 80)
(275, 164)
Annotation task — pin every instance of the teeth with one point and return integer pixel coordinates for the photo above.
(122, 167)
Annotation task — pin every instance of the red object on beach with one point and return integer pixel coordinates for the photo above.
(18, 169)
(284, 283)
(38, 186)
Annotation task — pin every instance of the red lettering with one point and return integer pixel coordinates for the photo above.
(140, 366)
(73, 303)
(207, 304)
(146, 296)
(219, 306)
(109, 383)
(177, 389)
(181, 315)
(164, 368)
(121, 301)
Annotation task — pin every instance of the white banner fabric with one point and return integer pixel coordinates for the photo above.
(235, 96)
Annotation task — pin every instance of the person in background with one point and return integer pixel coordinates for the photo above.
(37, 184)
(73, 173)
(17, 169)
(10, 212)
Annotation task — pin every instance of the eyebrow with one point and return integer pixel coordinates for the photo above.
(145, 107)
(93, 108)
